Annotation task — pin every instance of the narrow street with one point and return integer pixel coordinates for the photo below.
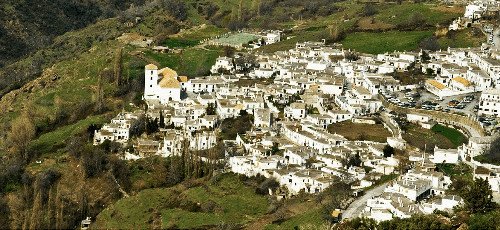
(356, 207)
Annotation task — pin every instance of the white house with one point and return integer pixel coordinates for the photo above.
(262, 118)
(490, 103)
(296, 110)
(224, 64)
(445, 203)
(449, 156)
(272, 37)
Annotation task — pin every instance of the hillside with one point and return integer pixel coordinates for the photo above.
(58, 70)
(28, 25)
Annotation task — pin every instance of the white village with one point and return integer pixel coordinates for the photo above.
(296, 99)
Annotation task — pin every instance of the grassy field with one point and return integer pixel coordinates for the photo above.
(440, 136)
(455, 136)
(201, 32)
(49, 142)
(397, 14)
(310, 219)
(375, 43)
(180, 43)
(191, 62)
(234, 203)
(356, 131)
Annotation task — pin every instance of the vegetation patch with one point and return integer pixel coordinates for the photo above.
(400, 14)
(54, 140)
(470, 37)
(375, 43)
(310, 219)
(455, 136)
(231, 202)
(191, 62)
(427, 139)
(180, 43)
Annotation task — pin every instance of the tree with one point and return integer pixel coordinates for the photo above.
(388, 151)
(228, 51)
(490, 220)
(117, 70)
(138, 127)
(210, 109)
(354, 161)
(492, 154)
(417, 20)
(351, 56)
(425, 56)
(429, 71)
(99, 93)
(21, 134)
(151, 125)
(269, 183)
(478, 196)
(91, 130)
(162, 120)
(94, 162)
(432, 221)
(358, 224)
(430, 43)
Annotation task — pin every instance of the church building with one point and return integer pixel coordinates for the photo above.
(162, 85)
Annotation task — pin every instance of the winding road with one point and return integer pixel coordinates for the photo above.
(356, 207)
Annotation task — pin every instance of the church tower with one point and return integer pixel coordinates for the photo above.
(150, 81)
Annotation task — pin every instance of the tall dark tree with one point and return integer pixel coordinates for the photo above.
(478, 196)
(151, 125)
(162, 120)
(388, 151)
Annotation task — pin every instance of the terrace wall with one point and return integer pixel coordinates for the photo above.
(441, 117)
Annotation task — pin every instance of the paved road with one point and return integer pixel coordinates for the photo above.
(356, 207)
(496, 38)
(387, 120)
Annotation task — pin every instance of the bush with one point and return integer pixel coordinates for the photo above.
(369, 10)
(269, 183)
(430, 43)
(210, 206)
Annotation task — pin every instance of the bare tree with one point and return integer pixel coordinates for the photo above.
(21, 133)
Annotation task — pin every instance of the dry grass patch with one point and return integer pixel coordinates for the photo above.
(370, 23)
(355, 131)
(426, 138)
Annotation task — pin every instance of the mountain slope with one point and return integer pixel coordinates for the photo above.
(28, 25)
